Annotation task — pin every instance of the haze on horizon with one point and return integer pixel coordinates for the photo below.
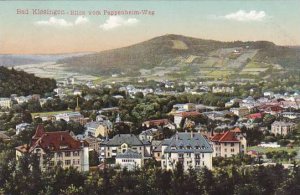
(274, 21)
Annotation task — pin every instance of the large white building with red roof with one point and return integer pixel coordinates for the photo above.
(58, 148)
(229, 143)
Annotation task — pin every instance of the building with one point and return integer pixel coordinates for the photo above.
(290, 115)
(179, 117)
(156, 149)
(121, 143)
(5, 103)
(130, 159)
(228, 143)
(21, 127)
(222, 89)
(156, 123)
(71, 116)
(282, 128)
(150, 134)
(241, 111)
(57, 148)
(189, 149)
(184, 107)
(98, 128)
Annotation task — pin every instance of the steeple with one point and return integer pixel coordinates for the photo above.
(118, 119)
(77, 109)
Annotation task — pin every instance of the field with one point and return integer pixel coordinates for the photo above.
(44, 114)
(53, 70)
(264, 150)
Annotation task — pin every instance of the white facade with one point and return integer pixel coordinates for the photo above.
(189, 149)
(5, 103)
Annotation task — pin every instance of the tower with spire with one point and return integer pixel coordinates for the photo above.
(77, 109)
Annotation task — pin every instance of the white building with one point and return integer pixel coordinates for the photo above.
(241, 112)
(130, 159)
(5, 103)
(121, 143)
(229, 143)
(189, 149)
(69, 116)
(282, 128)
(21, 127)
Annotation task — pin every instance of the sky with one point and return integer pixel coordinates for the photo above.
(23, 31)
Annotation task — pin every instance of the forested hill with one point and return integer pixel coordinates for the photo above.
(22, 83)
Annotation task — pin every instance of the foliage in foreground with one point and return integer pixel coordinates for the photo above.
(27, 178)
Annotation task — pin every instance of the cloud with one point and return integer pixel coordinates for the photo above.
(118, 21)
(242, 15)
(53, 21)
(81, 20)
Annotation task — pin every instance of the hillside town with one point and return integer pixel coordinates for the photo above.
(193, 134)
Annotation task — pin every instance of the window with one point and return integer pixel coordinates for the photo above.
(76, 153)
(225, 150)
(59, 154)
(197, 156)
(158, 154)
(232, 149)
(60, 163)
(232, 144)
(51, 163)
(202, 155)
(67, 162)
(225, 144)
(180, 155)
(67, 154)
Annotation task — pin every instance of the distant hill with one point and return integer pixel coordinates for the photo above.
(22, 83)
(15, 59)
(181, 53)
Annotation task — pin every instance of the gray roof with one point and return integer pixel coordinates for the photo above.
(129, 139)
(129, 154)
(187, 143)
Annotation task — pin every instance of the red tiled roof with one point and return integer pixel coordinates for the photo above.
(39, 132)
(254, 116)
(54, 141)
(157, 122)
(228, 136)
(236, 130)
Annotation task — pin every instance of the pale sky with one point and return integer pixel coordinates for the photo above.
(247, 20)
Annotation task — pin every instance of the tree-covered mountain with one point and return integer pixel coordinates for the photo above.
(175, 50)
(22, 83)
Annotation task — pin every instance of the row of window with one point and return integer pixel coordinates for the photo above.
(68, 153)
(67, 162)
(128, 160)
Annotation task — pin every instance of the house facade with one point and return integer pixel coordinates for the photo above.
(129, 159)
(229, 143)
(190, 149)
(120, 143)
(282, 128)
(57, 148)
